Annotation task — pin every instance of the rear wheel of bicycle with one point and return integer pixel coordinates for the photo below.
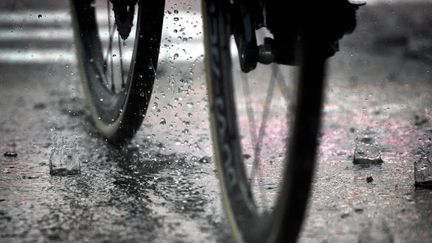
(117, 74)
(264, 126)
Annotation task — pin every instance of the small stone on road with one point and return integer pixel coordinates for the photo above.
(423, 172)
(10, 154)
(367, 154)
(366, 150)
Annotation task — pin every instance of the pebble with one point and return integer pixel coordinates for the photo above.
(358, 210)
(369, 179)
(344, 215)
(39, 106)
(423, 172)
(420, 120)
(205, 160)
(367, 154)
(10, 154)
(366, 150)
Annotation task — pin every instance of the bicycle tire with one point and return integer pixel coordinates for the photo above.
(117, 115)
(282, 224)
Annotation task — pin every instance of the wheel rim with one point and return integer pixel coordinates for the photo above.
(108, 64)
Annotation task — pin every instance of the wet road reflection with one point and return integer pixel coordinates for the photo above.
(162, 187)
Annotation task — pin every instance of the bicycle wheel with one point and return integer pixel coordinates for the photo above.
(265, 141)
(117, 73)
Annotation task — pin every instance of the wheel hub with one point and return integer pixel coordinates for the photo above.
(124, 11)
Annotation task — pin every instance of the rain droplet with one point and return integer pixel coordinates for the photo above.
(175, 56)
(162, 121)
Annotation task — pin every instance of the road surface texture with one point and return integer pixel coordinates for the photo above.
(162, 187)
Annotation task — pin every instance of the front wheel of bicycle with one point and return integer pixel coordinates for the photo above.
(117, 72)
(264, 128)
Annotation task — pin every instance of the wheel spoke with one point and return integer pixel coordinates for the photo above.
(111, 30)
(249, 109)
(265, 114)
(121, 60)
(283, 87)
(257, 141)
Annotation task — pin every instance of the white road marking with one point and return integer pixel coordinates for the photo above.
(36, 56)
(42, 34)
(185, 53)
(181, 38)
(31, 17)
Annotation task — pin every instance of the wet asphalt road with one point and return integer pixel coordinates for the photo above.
(163, 187)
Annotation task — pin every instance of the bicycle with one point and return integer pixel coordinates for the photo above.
(241, 38)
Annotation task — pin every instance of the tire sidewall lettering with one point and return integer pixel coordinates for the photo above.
(219, 102)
